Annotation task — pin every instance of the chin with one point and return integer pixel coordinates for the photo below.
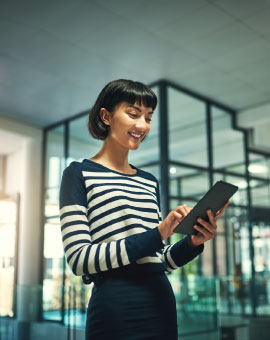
(134, 146)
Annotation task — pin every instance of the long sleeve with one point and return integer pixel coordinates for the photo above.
(178, 254)
(83, 256)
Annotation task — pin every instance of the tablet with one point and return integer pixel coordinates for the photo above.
(214, 199)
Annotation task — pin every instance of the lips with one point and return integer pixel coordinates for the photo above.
(135, 136)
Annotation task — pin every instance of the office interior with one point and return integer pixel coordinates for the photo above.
(209, 64)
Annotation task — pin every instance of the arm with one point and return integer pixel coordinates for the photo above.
(83, 256)
(178, 254)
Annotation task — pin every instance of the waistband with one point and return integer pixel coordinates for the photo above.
(120, 273)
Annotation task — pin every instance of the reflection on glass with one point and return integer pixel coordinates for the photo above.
(187, 129)
(228, 144)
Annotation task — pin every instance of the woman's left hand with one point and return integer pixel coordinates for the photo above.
(209, 229)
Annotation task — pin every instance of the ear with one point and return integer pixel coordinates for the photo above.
(105, 116)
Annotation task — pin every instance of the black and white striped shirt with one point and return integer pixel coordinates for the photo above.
(109, 220)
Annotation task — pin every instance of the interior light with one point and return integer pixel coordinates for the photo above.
(172, 170)
(257, 168)
(242, 185)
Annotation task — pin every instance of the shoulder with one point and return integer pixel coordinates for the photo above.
(73, 168)
(73, 172)
(149, 176)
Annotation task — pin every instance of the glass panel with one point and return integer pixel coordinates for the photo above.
(197, 306)
(81, 143)
(207, 259)
(148, 150)
(54, 161)
(259, 165)
(220, 251)
(240, 197)
(261, 243)
(188, 184)
(52, 202)
(187, 129)
(260, 193)
(238, 297)
(228, 144)
(8, 209)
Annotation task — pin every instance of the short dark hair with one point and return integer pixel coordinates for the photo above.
(114, 93)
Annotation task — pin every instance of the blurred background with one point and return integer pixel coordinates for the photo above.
(208, 61)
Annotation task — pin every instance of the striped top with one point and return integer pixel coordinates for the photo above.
(110, 220)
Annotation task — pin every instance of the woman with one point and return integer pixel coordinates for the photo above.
(112, 228)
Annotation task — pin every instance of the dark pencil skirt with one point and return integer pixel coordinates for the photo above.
(138, 306)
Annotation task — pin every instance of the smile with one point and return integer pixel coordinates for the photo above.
(135, 135)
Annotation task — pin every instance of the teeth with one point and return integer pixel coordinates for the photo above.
(137, 136)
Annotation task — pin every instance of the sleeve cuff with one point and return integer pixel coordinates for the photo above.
(182, 253)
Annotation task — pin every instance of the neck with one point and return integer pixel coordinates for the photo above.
(113, 155)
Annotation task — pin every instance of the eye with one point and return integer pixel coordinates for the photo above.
(134, 115)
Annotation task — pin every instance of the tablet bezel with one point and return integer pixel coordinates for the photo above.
(214, 199)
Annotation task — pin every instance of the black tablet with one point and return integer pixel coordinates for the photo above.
(214, 199)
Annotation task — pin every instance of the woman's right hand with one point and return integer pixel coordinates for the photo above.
(172, 220)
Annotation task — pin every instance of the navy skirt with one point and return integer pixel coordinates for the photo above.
(131, 306)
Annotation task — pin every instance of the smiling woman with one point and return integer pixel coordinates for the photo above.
(115, 93)
(112, 228)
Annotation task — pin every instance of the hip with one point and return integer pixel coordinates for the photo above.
(133, 306)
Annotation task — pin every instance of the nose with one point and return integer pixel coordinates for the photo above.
(140, 124)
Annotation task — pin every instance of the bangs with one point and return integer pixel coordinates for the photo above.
(132, 92)
(142, 96)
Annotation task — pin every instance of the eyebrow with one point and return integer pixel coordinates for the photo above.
(137, 108)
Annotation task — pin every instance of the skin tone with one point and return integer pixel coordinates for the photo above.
(115, 148)
(209, 229)
(113, 154)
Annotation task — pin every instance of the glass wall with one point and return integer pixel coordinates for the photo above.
(54, 262)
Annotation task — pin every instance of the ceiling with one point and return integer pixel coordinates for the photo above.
(56, 56)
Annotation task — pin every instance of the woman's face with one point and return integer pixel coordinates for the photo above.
(129, 119)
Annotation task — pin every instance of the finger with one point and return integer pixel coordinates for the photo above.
(177, 216)
(221, 211)
(186, 208)
(203, 231)
(209, 227)
(181, 210)
(211, 218)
